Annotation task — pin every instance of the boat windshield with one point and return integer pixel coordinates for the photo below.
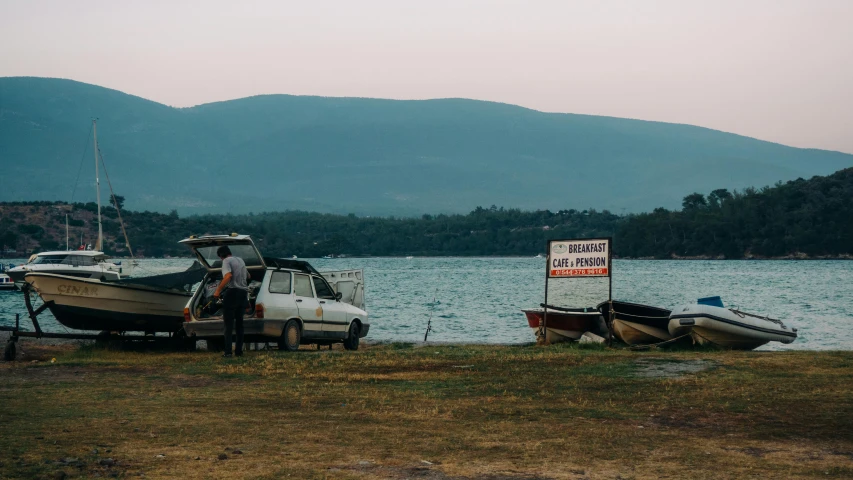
(246, 252)
(73, 260)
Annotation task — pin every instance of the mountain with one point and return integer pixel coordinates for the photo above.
(366, 156)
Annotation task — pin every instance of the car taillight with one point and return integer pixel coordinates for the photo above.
(186, 314)
(259, 310)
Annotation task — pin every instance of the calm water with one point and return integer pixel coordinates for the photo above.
(479, 299)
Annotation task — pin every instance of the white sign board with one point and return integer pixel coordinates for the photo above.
(579, 258)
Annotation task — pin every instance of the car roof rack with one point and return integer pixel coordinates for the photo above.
(298, 265)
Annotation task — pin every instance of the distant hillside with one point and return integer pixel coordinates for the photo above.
(798, 219)
(367, 156)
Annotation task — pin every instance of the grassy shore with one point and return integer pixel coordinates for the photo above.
(434, 412)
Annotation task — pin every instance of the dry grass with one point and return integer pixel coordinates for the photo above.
(435, 412)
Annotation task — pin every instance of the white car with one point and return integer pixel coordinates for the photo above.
(290, 302)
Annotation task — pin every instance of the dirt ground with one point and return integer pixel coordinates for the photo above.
(402, 411)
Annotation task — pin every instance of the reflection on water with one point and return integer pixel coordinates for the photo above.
(479, 299)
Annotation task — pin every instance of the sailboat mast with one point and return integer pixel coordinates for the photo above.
(99, 245)
(66, 232)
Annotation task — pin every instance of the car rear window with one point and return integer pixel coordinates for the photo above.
(280, 282)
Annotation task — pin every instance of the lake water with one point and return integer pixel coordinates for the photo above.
(479, 299)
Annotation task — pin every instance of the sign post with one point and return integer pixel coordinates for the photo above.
(578, 258)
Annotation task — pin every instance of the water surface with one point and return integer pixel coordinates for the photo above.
(479, 299)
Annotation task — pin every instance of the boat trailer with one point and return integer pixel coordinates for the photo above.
(175, 339)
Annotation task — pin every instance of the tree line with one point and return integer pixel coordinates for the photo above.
(805, 217)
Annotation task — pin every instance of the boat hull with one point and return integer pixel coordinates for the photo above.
(634, 333)
(81, 318)
(637, 324)
(725, 328)
(86, 304)
(562, 326)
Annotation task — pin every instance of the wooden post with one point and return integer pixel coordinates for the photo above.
(612, 315)
(544, 326)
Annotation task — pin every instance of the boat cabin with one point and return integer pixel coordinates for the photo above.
(75, 258)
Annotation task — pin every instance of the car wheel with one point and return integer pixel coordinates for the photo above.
(351, 342)
(181, 341)
(291, 337)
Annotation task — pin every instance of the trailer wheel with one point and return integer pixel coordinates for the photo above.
(184, 342)
(10, 351)
(109, 340)
(351, 342)
(291, 337)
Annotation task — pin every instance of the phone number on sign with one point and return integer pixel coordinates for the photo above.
(578, 272)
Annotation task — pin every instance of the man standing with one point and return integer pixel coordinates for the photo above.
(235, 280)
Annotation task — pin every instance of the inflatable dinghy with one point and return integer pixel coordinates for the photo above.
(709, 322)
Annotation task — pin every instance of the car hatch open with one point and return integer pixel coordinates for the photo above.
(241, 246)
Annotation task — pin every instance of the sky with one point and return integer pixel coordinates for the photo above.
(778, 70)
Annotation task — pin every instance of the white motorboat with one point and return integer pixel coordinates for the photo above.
(84, 262)
(74, 263)
(146, 304)
(710, 322)
(6, 283)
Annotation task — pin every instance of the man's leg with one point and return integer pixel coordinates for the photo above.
(228, 319)
(238, 313)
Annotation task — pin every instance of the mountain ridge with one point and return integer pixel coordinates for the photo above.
(371, 156)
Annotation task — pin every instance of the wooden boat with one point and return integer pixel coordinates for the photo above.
(637, 324)
(564, 324)
(728, 328)
(147, 304)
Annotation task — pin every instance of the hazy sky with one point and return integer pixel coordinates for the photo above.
(779, 70)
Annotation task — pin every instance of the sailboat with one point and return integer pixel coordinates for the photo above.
(112, 303)
(83, 262)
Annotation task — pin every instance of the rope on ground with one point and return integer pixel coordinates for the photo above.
(655, 345)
